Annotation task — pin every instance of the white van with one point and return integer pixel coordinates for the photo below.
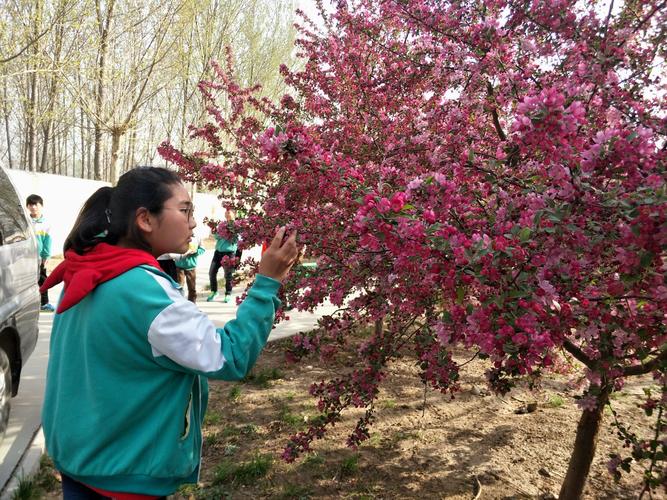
(19, 293)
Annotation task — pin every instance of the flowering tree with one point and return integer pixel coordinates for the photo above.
(484, 173)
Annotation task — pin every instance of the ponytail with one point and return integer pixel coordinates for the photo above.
(92, 224)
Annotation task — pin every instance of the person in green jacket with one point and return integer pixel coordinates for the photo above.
(225, 251)
(186, 269)
(126, 385)
(35, 205)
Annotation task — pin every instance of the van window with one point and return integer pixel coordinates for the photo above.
(13, 224)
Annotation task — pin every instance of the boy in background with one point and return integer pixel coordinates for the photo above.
(35, 204)
(223, 248)
(186, 269)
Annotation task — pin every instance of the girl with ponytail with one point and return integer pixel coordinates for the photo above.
(126, 388)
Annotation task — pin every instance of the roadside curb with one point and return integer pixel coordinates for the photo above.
(28, 466)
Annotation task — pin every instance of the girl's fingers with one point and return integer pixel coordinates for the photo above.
(278, 238)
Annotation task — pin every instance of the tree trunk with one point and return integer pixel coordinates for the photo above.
(51, 98)
(82, 130)
(31, 137)
(584, 450)
(133, 148)
(60, 153)
(31, 143)
(6, 115)
(46, 136)
(73, 132)
(97, 163)
(379, 326)
(89, 163)
(116, 134)
(103, 26)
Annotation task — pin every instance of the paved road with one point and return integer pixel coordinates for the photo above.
(24, 423)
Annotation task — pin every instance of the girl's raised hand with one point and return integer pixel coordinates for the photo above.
(279, 258)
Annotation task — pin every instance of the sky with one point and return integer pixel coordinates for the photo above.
(310, 9)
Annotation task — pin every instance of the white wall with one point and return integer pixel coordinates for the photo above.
(64, 196)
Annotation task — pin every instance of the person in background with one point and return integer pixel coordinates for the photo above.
(35, 205)
(126, 385)
(186, 268)
(223, 248)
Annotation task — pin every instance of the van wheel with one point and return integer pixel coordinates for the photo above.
(5, 390)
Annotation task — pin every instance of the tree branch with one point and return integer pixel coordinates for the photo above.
(648, 367)
(494, 114)
(577, 353)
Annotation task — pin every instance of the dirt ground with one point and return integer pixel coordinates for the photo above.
(421, 446)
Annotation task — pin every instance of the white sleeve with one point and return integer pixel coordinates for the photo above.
(185, 334)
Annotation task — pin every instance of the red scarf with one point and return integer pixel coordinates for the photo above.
(82, 273)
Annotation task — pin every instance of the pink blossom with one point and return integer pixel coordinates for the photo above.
(397, 202)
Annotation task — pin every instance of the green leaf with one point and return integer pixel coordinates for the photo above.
(646, 259)
(510, 348)
(537, 218)
(524, 234)
(460, 295)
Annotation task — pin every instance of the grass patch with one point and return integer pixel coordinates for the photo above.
(213, 493)
(375, 440)
(312, 461)
(316, 419)
(230, 449)
(403, 435)
(188, 490)
(249, 430)
(212, 418)
(26, 490)
(262, 378)
(212, 439)
(35, 487)
(555, 401)
(232, 431)
(234, 394)
(286, 416)
(349, 466)
(295, 491)
(46, 477)
(245, 473)
(388, 404)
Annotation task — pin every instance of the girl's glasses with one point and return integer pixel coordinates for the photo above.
(189, 212)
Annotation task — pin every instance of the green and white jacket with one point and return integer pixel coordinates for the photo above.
(43, 232)
(138, 430)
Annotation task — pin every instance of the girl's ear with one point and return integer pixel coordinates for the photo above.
(144, 220)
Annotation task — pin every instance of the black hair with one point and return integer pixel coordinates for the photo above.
(34, 199)
(109, 214)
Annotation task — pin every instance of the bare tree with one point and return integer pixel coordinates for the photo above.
(91, 87)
